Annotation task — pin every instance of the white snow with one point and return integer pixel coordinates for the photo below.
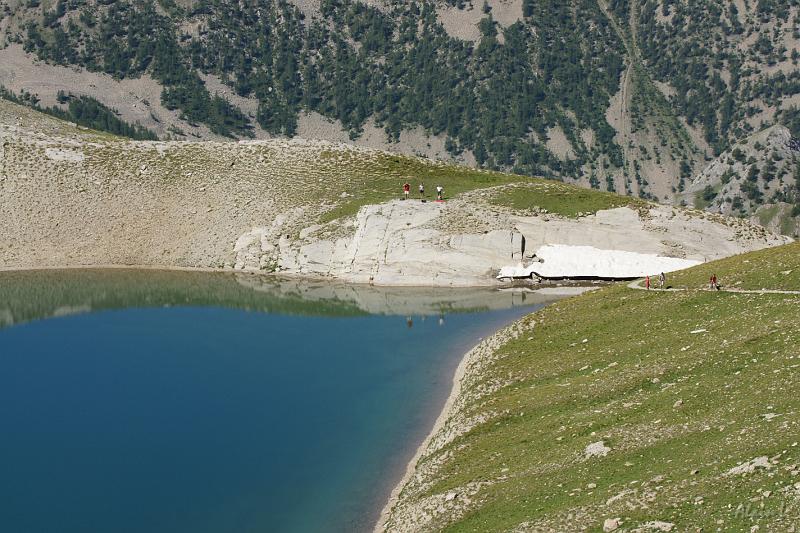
(565, 261)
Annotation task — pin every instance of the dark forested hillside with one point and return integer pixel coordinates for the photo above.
(634, 96)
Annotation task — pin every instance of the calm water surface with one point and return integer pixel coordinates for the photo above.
(175, 402)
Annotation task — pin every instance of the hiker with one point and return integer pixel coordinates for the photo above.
(421, 190)
(647, 282)
(713, 282)
(662, 280)
(406, 190)
(439, 193)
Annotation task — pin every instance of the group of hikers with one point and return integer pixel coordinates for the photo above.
(662, 280)
(407, 191)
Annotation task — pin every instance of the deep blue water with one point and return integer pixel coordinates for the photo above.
(215, 419)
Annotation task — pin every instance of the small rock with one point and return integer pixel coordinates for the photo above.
(591, 486)
(658, 525)
(611, 524)
(677, 404)
(750, 466)
(597, 449)
(451, 496)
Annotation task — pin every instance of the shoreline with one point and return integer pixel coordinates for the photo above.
(444, 414)
(447, 409)
(491, 283)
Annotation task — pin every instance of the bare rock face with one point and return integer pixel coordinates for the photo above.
(414, 243)
(391, 244)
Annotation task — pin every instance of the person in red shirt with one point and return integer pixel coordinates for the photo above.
(647, 282)
(406, 190)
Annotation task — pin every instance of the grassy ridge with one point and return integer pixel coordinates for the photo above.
(382, 179)
(775, 268)
(562, 199)
(682, 386)
(384, 175)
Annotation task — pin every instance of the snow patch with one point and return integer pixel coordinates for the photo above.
(565, 261)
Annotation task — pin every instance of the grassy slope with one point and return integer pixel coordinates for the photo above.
(776, 268)
(620, 385)
(309, 178)
(562, 199)
(382, 180)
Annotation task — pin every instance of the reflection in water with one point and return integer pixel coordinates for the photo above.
(299, 416)
(32, 295)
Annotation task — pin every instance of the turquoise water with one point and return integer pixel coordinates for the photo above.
(165, 402)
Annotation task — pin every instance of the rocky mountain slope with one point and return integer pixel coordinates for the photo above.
(73, 197)
(632, 96)
(758, 176)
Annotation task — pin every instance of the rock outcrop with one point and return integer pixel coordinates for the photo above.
(408, 243)
(392, 244)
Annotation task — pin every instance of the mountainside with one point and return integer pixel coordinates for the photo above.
(759, 175)
(630, 96)
(70, 196)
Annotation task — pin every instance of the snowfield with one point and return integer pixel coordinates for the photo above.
(564, 261)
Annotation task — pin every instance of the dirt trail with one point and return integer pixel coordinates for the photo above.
(637, 284)
(623, 112)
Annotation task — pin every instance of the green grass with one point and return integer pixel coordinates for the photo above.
(561, 199)
(382, 179)
(610, 366)
(772, 268)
